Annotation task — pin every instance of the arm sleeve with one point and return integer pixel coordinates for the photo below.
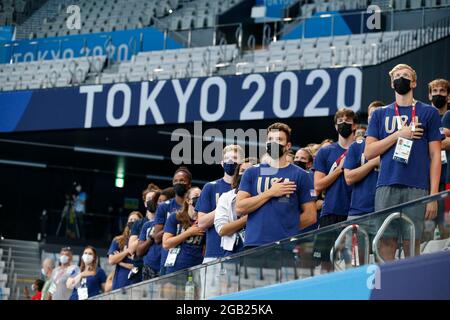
(434, 127)
(351, 159)
(320, 162)
(204, 202)
(372, 129)
(306, 189)
(161, 214)
(136, 228)
(101, 276)
(171, 224)
(143, 234)
(221, 217)
(113, 247)
(247, 181)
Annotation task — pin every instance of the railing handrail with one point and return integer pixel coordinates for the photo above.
(307, 235)
(386, 222)
(331, 15)
(341, 237)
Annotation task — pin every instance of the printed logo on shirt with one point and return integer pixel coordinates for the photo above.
(312, 193)
(268, 181)
(441, 130)
(390, 123)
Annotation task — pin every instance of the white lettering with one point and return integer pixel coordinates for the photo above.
(149, 103)
(183, 97)
(204, 113)
(125, 89)
(91, 91)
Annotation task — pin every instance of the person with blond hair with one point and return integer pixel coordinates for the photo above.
(407, 135)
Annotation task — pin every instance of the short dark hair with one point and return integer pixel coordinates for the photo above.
(186, 171)
(346, 112)
(281, 127)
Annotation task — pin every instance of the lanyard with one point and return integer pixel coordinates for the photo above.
(342, 156)
(413, 116)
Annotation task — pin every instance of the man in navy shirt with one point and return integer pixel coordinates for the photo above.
(410, 172)
(206, 204)
(329, 178)
(182, 181)
(278, 197)
(439, 94)
(147, 196)
(361, 174)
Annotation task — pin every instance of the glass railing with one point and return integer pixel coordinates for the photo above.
(334, 248)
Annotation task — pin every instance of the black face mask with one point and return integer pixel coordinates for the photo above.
(344, 129)
(180, 189)
(130, 224)
(194, 201)
(439, 101)
(402, 85)
(151, 206)
(275, 150)
(301, 164)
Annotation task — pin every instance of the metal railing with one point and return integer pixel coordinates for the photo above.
(257, 267)
(409, 41)
(386, 223)
(355, 256)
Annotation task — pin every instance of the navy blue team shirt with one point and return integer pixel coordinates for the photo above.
(164, 210)
(93, 284)
(278, 218)
(415, 174)
(338, 195)
(363, 194)
(191, 250)
(207, 203)
(153, 256)
(120, 279)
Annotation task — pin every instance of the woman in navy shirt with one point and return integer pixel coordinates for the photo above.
(119, 254)
(91, 280)
(182, 236)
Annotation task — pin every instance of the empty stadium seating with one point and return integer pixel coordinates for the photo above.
(180, 63)
(13, 11)
(325, 52)
(48, 73)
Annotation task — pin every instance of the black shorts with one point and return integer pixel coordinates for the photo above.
(324, 241)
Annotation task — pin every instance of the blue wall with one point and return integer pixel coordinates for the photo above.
(305, 93)
(426, 277)
(119, 45)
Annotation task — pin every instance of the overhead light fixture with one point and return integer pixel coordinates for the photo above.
(326, 15)
(24, 163)
(119, 153)
(287, 19)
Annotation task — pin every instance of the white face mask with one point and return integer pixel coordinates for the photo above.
(87, 258)
(63, 259)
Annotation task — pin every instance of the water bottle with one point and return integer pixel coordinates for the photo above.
(189, 292)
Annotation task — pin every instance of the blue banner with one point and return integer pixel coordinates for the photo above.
(307, 93)
(118, 45)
